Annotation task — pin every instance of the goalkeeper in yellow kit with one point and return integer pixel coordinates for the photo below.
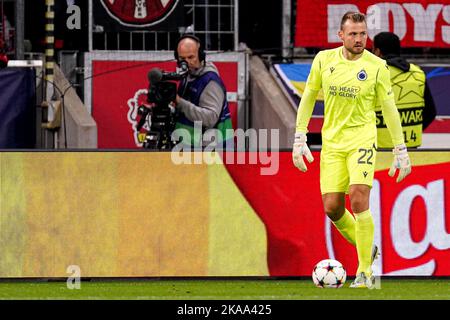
(353, 81)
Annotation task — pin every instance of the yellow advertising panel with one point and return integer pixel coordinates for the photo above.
(123, 214)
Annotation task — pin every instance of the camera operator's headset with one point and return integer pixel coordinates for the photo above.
(201, 52)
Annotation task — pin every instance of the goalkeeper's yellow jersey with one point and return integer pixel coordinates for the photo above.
(351, 91)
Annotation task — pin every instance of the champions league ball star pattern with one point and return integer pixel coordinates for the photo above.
(329, 273)
(139, 12)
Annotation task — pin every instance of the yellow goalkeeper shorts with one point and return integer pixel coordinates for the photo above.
(341, 168)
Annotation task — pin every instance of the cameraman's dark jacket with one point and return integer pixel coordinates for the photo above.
(203, 98)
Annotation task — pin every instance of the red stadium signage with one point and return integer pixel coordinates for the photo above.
(412, 219)
(418, 23)
(139, 12)
(119, 87)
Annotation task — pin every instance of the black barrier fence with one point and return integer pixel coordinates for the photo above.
(17, 108)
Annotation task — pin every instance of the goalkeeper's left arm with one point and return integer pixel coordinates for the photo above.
(392, 118)
(393, 123)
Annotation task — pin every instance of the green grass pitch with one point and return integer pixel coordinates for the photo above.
(220, 289)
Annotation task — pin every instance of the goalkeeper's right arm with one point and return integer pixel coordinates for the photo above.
(305, 110)
(304, 113)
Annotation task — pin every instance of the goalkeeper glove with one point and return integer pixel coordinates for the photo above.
(299, 150)
(401, 162)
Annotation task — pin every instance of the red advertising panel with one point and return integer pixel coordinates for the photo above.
(120, 87)
(412, 218)
(418, 23)
(123, 15)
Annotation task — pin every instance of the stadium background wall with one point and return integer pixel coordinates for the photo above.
(136, 214)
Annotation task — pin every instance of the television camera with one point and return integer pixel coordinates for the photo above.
(162, 91)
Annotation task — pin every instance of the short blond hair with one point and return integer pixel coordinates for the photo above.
(354, 16)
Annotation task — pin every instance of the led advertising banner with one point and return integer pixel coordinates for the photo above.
(418, 23)
(143, 214)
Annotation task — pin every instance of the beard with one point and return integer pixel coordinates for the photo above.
(356, 49)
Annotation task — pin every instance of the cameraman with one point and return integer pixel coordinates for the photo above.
(201, 98)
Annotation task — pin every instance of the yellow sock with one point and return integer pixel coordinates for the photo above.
(364, 234)
(346, 226)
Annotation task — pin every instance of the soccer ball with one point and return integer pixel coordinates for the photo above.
(329, 273)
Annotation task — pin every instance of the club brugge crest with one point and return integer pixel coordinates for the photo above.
(139, 13)
(362, 75)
